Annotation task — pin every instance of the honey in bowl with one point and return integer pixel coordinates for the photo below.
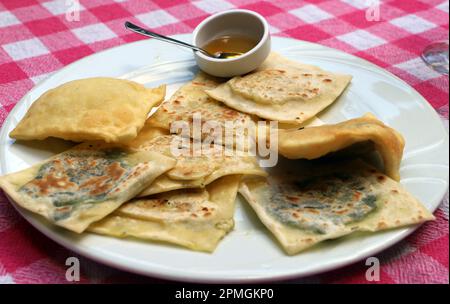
(233, 46)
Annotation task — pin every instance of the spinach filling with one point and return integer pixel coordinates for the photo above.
(320, 203)
(78, 178)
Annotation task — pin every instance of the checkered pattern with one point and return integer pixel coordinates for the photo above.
(36, 39)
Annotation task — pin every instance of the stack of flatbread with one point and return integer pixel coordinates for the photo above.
(137, 176)
(123, 179)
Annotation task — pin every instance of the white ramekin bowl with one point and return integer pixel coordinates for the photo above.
(233, 22)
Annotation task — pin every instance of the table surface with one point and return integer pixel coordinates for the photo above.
(37, 38)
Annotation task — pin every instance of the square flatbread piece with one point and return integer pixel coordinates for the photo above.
(329, 201)
(191, 102)
(282, 90)
(194, 218)
(84, 184)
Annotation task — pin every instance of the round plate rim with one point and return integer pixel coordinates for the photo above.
(189, 276)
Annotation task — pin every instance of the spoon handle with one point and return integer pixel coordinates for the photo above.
(140, 30)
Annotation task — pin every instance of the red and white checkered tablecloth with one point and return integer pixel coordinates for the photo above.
(36, 40)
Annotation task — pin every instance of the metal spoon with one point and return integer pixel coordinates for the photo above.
(140, 30)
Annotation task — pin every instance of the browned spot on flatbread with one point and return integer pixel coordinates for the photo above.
(188, 172)
(115, 171)
(343, 211)
(51, 181)
(382, 225)
(101, 184)
(292, 198)
(184, 206)
(64, 209)
(312, 211)
(230, 113)
(381, 178)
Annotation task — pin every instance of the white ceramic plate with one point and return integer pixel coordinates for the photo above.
(249, 253)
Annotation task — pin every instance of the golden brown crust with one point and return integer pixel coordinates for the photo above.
(315, 142)
(192, 171)
(84, 184)
(282, 90)
(330, 200)
(108, 109)
(197, 219)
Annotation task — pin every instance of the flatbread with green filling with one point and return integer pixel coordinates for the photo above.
(282, 90)
(328, 201)
(84, 184)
